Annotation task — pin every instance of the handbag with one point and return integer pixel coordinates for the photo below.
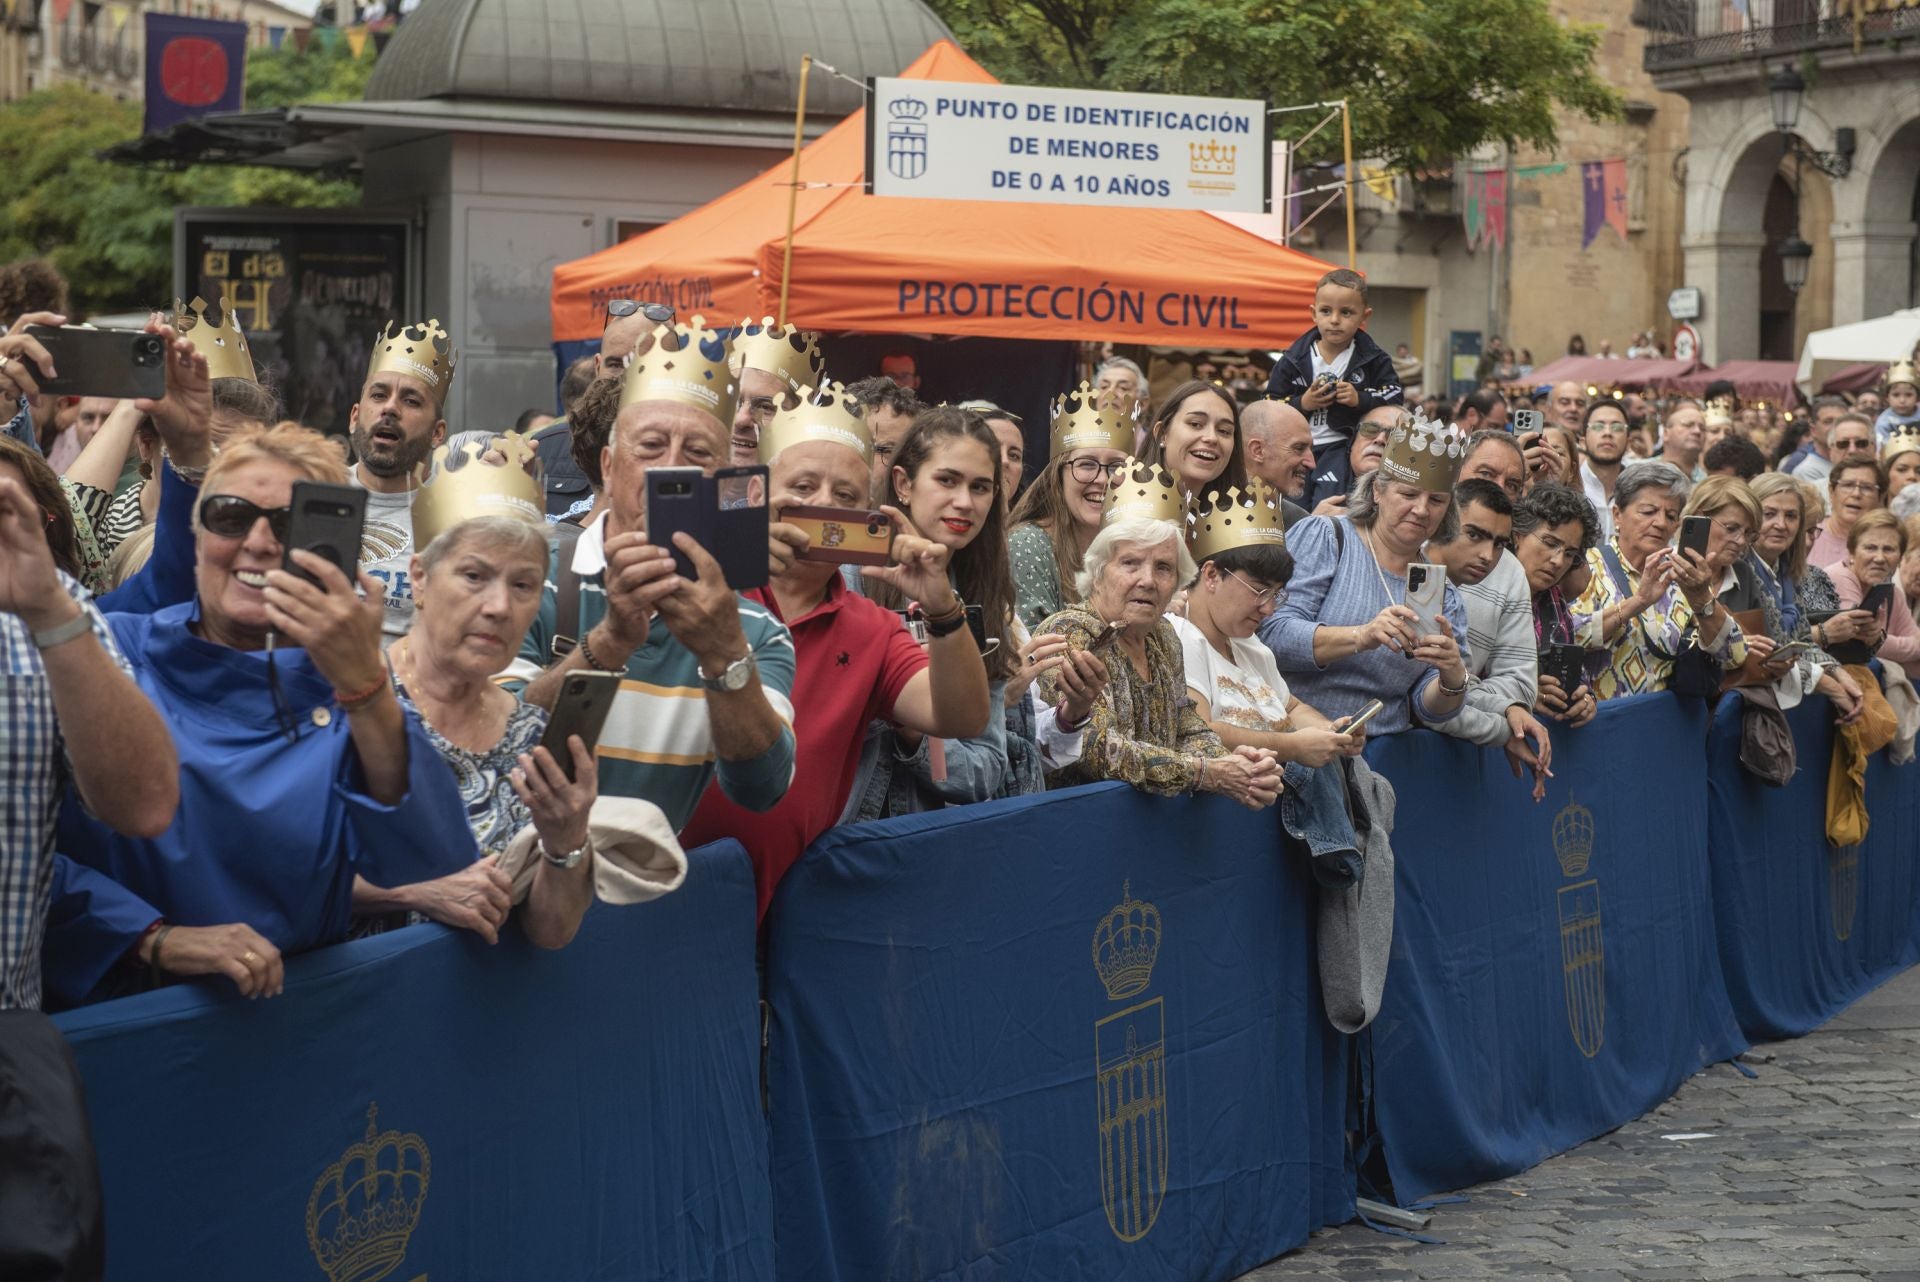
(1752, 671)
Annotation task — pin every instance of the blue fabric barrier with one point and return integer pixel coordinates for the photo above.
(588, 1113)
(1554, 970)
(1072, 1036)
(1805, 928)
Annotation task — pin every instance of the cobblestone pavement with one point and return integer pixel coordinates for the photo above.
(1812, 1171)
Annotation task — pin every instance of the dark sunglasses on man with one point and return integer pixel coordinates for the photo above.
(232, 517)
(658, 313)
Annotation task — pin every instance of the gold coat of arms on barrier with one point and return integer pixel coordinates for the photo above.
(364, 1207)
(1583, 953)
(1130, 1055)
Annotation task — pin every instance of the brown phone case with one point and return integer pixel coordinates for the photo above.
(843, 535)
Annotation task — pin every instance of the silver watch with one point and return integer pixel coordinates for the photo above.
(569, 860)
(733, 678)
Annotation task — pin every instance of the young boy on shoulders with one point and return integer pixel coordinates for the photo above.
(1334, 373)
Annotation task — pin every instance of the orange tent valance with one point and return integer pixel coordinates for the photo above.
(875, 264)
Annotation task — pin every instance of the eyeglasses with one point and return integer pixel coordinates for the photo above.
(1277, 595)
(1086, 470)
(1737, 531)
(1858, 487)
(231, 517)
(1370, 429)
(658, 313)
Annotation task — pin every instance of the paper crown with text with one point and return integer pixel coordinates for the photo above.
(1717, 410)
(478, 474)
(1145, 490)
(823, 415)
(1221, 522)
(687, 365)
(1902, 372)
(1904, 439)
(792, 354)
(423, 350)
(1424, 454)
(219, 338)
(1079, 423)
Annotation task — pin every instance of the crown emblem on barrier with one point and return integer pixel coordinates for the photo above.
(220, 340)
(1126, 943)
(423, 350)
(908, 108)
(1573, 838)
(1904, 439)
(364, 1207)
(1221, 522)
(1145, 490)
(824, 415)
(1718, 410)
(1424, 454)
(685, 364)
(1212, 157)
(1080, 423)
(1902, 372)
(477, 476)
(793, 354)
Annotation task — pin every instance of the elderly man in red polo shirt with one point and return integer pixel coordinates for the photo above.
(855, 661)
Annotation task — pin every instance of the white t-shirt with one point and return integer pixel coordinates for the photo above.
(1247, 691)
(386, 552)
(1322, 434)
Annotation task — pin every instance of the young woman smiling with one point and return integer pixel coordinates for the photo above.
(1196, 436)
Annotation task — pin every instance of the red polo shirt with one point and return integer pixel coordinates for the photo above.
(852, 659)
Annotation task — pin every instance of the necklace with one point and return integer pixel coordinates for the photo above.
(477, 737)
(1373, 555)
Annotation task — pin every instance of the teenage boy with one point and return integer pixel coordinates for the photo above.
(1334, 373)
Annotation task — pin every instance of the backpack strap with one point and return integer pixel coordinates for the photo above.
(566, 583)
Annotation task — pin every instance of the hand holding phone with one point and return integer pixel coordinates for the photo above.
(1695, 531)
(125, 364)
(580, 708)
(1427, 593)
(1358, 724)
(843, 536)
(328, 521)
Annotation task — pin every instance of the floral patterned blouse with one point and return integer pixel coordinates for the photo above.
(1036, 575)
(1144, 731)
(494, 810)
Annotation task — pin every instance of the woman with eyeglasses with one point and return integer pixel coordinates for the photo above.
(1059, 515)
(1553, 528)
(1793, 593)
(299, 767)
(1875, 547)
(1854, 488)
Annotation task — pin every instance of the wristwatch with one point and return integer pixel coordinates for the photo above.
(732, 679)
(569, 860)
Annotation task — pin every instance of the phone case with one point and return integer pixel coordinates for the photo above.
(327, 520)
(1694, 533)
(120, 363)
(843, 536)
(581, 708)
(1427, 591)
(685, 499)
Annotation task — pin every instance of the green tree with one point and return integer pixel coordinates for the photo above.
(108, 226)
(1428, 80)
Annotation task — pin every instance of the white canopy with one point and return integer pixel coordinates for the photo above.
(1883, 340)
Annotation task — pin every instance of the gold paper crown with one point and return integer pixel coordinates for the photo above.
(476, 476)
(1573, 838)
(1126, 943)
(1902, 372)
(222, 341)
(1080, 423)
(1219, 523)
(1424, 454)
(423, 350)
(1718, 410)
(364, 1207)
(1145, 490)
(824, 415)
(793, 354)
(1904, 439)
(685, 364)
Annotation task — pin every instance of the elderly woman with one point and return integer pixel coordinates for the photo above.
(1790, 591)
(1346, 635)
(1874, 549)
(1654, 602)
(1553, 528)
(476, 588)
(1855, 487)
(1060, 513)
(1144, 730)
(1196, 436)
(299, 768)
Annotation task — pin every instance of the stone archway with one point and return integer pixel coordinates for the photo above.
(1875, 242)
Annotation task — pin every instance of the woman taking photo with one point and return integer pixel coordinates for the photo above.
(1196, 436)
(1790, 590)
(1874, 549)
(1553, 528)
(1060, 513)
(1854, 488)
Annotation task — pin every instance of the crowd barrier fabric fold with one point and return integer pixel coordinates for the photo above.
(1071, 1036)
(1554, 970)
(1806, 927)
(418, 1104)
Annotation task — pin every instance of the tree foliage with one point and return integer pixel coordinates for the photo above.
(108, 226)
(1428, 80)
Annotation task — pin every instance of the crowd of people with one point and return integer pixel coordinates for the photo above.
(231, 750)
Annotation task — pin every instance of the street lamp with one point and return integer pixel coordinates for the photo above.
(1786, 89)
(1795, 256)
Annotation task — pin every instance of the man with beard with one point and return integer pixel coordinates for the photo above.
(1603, 439)
(1279, 451)
(394, 428)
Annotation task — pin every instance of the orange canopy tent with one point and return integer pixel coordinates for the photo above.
(995, 269)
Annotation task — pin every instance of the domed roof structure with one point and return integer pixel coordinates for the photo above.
(682, 55)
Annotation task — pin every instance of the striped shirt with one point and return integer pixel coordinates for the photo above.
(657, 744)
(1503, 666)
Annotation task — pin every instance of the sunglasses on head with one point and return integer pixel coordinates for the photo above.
(658, 313)
(231, 517)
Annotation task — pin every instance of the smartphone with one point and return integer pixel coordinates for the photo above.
(1105, 640)
(101, 362)
(1367, 714)
(1694, 533)
(844, 535)
(1525, 422)
(726, 514)
(581, 708)
(1427, 592)
(1792, 649)
(1878, 601)
(1565, 664)
(329, 521)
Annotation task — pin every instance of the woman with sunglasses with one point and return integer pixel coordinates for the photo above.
(1059, 514)
(299, 768)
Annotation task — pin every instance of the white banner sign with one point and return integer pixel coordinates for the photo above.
(955, 141)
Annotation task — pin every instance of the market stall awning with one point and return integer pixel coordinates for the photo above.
(956, 267)
(1882, 340)
(1601, 371)
(1770, 381)
(1856, 378)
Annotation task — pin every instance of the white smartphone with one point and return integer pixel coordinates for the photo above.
(1427, 593)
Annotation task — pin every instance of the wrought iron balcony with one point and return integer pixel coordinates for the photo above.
(1693, 33)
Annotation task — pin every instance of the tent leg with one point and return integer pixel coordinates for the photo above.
(1346, 143)
(793, 191)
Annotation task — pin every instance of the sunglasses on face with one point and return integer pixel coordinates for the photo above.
(232, 517)
(658, 313)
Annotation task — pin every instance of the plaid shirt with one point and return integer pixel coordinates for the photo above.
(36, 776)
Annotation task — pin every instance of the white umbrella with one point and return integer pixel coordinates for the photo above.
(1883, 340)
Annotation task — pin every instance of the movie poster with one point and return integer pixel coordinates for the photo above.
(310, 294)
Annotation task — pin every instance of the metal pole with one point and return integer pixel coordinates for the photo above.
(1346, 143)
(793, 190)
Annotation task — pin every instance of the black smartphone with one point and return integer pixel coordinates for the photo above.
(726, 514)
(1878, 602)
(1565, 664)
(327, 520)
(1694, 533)
(581, 708)
(121, 363)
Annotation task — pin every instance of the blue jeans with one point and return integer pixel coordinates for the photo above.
(1313, 809)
